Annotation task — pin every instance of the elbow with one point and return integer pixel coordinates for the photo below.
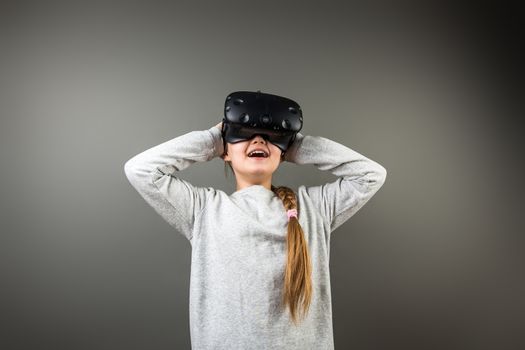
(138, 173)
(381, 174)
(130, 171)
(377, 176)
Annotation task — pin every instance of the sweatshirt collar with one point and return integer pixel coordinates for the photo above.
(254, 189)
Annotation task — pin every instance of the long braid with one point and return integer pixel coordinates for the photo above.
(297, 281)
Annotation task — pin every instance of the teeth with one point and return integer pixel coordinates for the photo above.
(260, 152)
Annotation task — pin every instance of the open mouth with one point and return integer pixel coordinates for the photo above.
(258, 154)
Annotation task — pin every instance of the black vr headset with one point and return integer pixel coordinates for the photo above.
(246, 114)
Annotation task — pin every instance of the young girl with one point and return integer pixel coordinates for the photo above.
(260, 256)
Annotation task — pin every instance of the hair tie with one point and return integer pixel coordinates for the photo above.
(291, 212)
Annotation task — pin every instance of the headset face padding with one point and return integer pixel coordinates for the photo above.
(276, 118)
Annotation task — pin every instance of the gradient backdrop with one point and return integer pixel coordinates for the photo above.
(432, 92)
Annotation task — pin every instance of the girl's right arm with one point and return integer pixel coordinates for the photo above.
(154, 174)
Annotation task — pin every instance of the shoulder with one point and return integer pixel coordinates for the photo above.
(304, 197)
(307, 199)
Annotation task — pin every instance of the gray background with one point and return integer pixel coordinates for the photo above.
(432, 92)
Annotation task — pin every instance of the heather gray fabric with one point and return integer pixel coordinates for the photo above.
(238, 241)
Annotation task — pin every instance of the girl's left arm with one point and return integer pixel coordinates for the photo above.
(359, 177)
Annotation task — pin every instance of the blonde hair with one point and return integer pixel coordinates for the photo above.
(297, 291)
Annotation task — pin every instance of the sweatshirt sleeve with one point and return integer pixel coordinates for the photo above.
(359, 177)
(154, 174)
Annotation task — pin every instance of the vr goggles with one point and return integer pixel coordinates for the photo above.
(246, 114)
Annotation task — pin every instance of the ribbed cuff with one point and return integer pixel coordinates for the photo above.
(291, 152)
(217, 146)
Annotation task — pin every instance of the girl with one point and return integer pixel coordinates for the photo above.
(260, 256)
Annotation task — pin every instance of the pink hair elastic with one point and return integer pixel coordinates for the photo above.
(291, 212)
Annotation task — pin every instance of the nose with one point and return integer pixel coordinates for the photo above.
(259, 137)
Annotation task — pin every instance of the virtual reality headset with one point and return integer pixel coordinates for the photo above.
(276, 118)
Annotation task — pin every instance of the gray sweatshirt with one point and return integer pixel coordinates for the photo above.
(238, 240)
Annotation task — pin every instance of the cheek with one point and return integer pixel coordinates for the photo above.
(241, 156)
(234, 152)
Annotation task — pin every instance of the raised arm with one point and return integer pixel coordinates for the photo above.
(154, 174)
(359, 177)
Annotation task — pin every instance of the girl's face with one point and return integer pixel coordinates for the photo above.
(253, 168)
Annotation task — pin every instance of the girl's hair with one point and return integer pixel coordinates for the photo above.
(297, 290)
